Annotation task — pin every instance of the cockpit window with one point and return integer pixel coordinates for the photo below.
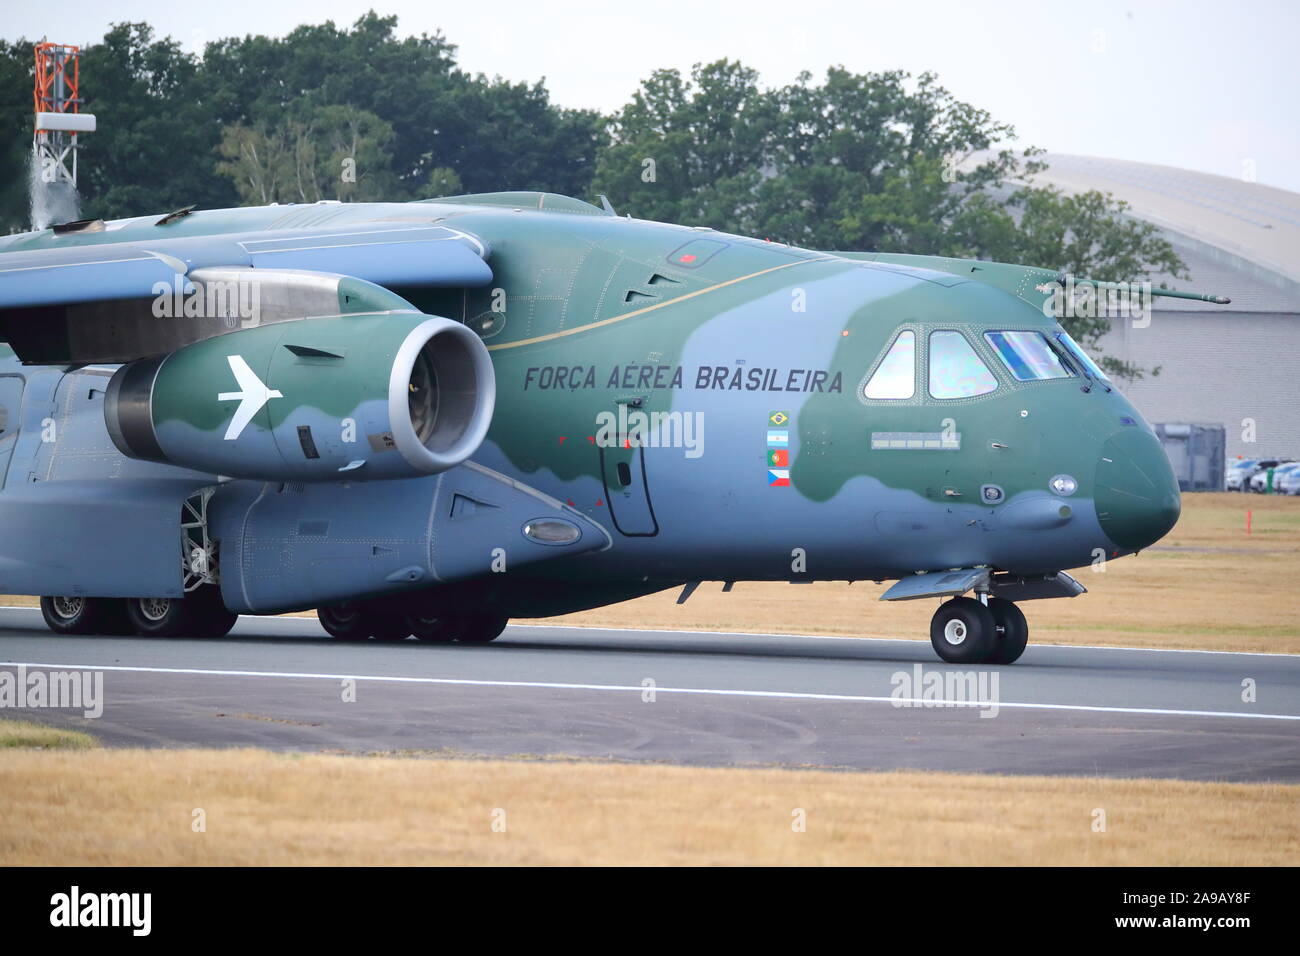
(1027, 355)
(955, 370)
(1081, 356)
(895, 377)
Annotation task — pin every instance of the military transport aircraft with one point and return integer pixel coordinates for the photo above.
(427, 418)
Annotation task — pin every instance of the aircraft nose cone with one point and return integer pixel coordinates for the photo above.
(1136, 492)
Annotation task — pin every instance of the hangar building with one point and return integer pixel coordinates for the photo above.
(1219, 365)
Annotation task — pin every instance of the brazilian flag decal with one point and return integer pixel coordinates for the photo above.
(778, 418)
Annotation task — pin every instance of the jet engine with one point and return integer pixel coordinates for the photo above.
(340, 398)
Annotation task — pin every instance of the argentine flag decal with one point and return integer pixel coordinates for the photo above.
(778, 449)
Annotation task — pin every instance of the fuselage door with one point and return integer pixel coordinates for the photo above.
(627, 490)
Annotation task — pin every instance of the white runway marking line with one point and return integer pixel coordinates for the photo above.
(637, 688)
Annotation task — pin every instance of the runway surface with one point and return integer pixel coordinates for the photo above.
(685, 697)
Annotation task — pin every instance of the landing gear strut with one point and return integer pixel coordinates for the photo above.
(198, 612)
(968, 631)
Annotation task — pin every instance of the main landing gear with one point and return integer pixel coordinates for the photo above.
(968, 631)
(356, 621)
(200, 613)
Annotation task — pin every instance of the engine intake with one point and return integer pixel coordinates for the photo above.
(389, 395)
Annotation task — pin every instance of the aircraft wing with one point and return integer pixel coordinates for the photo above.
(387, 256)
(80, 274)
(99, 301)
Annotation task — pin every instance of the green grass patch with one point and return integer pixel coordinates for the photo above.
(22, 733)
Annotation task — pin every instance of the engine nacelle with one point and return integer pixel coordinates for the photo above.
(354, 397)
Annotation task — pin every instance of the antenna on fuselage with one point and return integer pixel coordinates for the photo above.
(1065, 280)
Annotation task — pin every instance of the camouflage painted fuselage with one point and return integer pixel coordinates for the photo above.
(754, 348)
(600, 311)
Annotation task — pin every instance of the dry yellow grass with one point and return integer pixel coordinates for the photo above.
(1208, 586)
(136, 808)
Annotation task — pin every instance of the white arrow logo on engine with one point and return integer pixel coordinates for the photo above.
(252, 396)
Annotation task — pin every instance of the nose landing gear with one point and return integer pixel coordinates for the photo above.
(967, 631)
(1013, 631)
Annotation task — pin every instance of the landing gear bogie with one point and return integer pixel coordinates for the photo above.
(430, 629)
(199, 613)
(83, 615)
(962, 631)
(1012, 631)
(970, 631)
(458, 628)
(359, 621)
(347, 621)
(479, 628)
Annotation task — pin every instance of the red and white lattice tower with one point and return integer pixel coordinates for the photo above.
(57, 105)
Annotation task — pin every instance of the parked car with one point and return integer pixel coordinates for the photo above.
(1259, 480)
(1237, 474)
(1247, 469)
(1289, 483)
(1280, 473)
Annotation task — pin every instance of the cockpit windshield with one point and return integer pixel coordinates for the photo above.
(1028, 355)
(955, 370)
(895, 376)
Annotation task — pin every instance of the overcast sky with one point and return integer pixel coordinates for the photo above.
(1210, 85)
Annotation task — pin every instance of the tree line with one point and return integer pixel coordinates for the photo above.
(849, 161)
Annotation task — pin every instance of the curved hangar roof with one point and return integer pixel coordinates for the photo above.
(1238, 238)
